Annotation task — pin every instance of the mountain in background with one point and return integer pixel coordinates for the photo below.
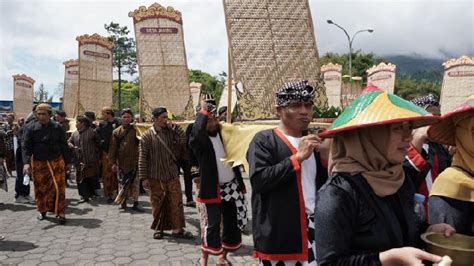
(417, 68)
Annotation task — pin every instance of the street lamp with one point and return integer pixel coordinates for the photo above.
(350, 42)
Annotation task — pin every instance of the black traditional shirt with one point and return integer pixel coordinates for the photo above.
(278, 207)
(45, 142)
(353, 225)
(105, 130)
(86, 147)
(205, 155)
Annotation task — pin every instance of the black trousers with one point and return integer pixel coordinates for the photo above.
(231, 235)
(20, 189)
(86, 187)
(188, 180)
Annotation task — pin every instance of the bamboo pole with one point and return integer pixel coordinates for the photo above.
(229, 88)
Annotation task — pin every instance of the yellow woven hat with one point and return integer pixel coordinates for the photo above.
(443, 132)
(377, 107)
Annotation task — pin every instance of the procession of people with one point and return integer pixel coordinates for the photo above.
(337, 196)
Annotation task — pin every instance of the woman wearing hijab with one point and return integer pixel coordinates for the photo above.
(365, 213)
(452, 195)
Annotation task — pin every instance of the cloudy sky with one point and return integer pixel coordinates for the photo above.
(36, 36)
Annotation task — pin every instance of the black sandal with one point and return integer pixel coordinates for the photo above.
(183, 234)
(41, 216)
(62, 220)
(225, 263)
(158, 235)
(198, 262)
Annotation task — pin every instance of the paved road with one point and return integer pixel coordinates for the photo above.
(96, 233)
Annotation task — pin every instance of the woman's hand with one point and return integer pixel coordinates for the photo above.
(406, 256)
(445, 229)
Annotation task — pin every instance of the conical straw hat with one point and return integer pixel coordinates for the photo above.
(443, 132)
(377, 107)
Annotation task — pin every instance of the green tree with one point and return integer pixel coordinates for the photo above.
(360, 62)
(410, 88)
(210, 84)
(41, 95)
(124, 55)
(407, 86)
(130, 94)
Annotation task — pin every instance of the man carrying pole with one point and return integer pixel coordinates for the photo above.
(123, 155)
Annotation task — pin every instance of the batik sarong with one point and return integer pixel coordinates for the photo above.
(166, 200)
(109, 178)
(50, 185)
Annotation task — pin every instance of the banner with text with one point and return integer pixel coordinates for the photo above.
(23, 95)
(95, 73)
(71, 86)
(332, 74)
(382, 76)
(162, 61)
(458, 82)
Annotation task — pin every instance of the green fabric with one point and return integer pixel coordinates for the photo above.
(406, 104)
(357, 106)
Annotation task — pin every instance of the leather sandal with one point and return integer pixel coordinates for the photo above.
(41, 216)
(158, 235)
(183, 234)
(62, 220)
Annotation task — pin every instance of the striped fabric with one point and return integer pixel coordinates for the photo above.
(154, 161)
(86, 145)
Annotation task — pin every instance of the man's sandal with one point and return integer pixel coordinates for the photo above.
(183, 234)
(223, 263)
(158, 235)
(198, 262)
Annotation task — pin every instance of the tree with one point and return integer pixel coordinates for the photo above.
(130, 95)
(41, 95)
(407, 85)
(410, 88)
(360, 62)
(124, 55)
(210, 85)
(130, 89)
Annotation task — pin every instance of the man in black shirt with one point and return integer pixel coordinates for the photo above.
(46, 154)
(22, 192)
(286, 170)
(105, 129)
